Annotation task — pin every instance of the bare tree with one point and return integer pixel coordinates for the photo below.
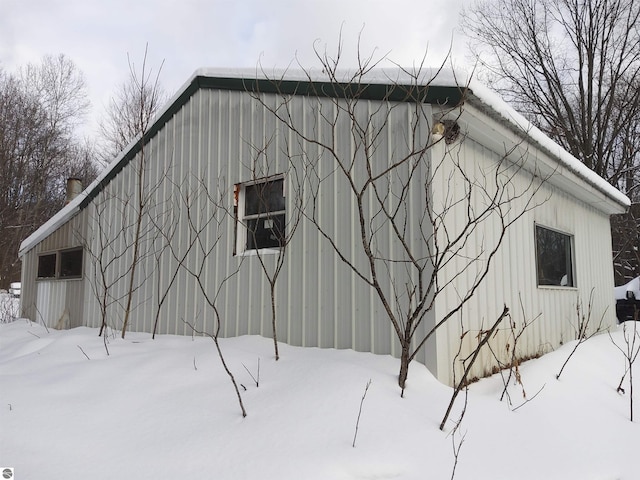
(283, 231)
(572, 67)
(40, 108)
(125, 225)
(626, 258)
(168, 227)
(131, 110)
(119, 238)
(129, 118)
(630, 350)
(404, 266)
(205, 217)
(107, 247)
(115, 225)
(60, 89)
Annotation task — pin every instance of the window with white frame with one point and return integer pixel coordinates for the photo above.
(554, 258)
(260, 213)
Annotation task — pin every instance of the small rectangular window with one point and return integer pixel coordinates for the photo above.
(554, 258)
(261, 215)
(47, 265)
(71, 263)
(64, 264)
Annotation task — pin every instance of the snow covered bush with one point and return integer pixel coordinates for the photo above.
(9, 307)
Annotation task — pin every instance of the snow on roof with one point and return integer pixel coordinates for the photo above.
(377, 76)
(436, 77)
(492, 100)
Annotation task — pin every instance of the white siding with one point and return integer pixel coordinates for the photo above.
(51, 303)
(512, 278)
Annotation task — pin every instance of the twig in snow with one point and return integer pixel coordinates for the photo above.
(456, 452)
(255, 380)
(366, 388)
(486, 335)
(528, 399)
(456, 429)
(85, 354)
(41, 319)
(582, 328)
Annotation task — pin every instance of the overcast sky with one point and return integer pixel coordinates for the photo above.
(97, 35)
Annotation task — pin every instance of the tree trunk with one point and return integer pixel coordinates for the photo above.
(631, 390)
(273, 319)
(404, 367)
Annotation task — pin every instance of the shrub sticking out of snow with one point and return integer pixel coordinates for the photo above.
(9, 307)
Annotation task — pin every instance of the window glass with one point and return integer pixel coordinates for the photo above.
(554, 258)
(264, 197)
(265, 232)
(262, 218)
(47, 266)
(71, 263)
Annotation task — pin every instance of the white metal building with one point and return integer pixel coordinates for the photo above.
(218, 161)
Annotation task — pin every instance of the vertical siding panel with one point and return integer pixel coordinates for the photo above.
(51, 302)
(202, 167)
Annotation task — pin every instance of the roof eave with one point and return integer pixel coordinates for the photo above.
(612, 200)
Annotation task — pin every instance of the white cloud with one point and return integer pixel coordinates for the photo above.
(189, 34)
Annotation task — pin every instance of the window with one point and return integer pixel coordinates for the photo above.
(47, 265)
(71, 263)
(554, 258)
(63, 264)
(260, 210)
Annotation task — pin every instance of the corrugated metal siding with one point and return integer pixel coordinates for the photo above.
(60, 295)
(213, 139)
(50, 304)
(512, 279)
(28, 294)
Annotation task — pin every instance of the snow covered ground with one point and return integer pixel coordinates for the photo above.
(165, 409)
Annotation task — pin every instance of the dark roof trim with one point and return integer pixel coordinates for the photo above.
(444, 95)
(450, 96)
